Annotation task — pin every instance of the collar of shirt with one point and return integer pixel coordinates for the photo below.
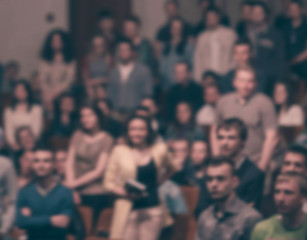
(125, 70)
(231, 208)
(240, 162)
(44, 191)
(247, 100)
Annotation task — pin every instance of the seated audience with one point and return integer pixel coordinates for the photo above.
(65, 118)
(87, 160)
(184, 90)
(177, 48)
(289, 113)
(39, 221)
(22, 112)
(129, 81)
(257, 111)
(207, 115)
(96, 65)
(291, 223)
(57, 66)
(214, 46)
(229, 218)
(144, 160)
(184, 125)
(8, 194)
(142, 46)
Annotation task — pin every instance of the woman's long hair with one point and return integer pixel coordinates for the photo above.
(290, 99)
(30, 98)
(97, 112)
(180, 48)
(47, 52)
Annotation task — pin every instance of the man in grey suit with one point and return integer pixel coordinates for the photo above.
(129, 81)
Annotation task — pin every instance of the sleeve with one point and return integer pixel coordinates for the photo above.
(148, 83)
(31, 222)
(249, 226)
(297, 116)
(67, 207)
(199, 226)
(37, 121)
(268, 115)
(198, 55)
(12, 189)
(9, 129)
(110, 176)
(258, 233)
(175, 201)
(219, 111)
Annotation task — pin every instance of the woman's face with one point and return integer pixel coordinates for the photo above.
(56, 42)
(137, 132)
(89, 119)
(20, 92)
(99, 45)
(67, 104)
(26, 163)
(183, 113)
(176, 28)
(280, 94)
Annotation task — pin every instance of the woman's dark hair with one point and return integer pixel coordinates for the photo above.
(30, 99)
(151, 137)
(290, 99)
(47, 52)
(180, 48)
(96, 111)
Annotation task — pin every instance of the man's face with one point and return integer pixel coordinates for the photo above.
(131, 30)
(212, 20)
(43, 164)
(288, 197)
(246, 12)
(26, 162)
(258, 16)
(199, 152)
(106, 25)
(242, 54)
(229, 142)
(171, 10)
(295, 11)
(181, 73)
(124, 52)
(245, 83)
(294, 162)
(212, 94)
(60, 162)
(220, 181)
(26, 139)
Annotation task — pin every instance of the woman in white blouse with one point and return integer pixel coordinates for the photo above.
(57, 66)
(22, 112)
(289, 113)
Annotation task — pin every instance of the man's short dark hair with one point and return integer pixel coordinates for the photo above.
(105, 15)
(125, 41)
(44, 148)
(244, 41)
(247, 3)
(175, 2)
(237, 124)
(210, 74)
(215, 9)
(188, 65)
(298, 2)
(134, 19)
(299, 150)
(264, 7)
(219, 161)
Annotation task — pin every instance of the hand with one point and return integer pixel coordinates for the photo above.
(26, 212)
(60, 221)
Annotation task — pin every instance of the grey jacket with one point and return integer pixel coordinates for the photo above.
(128, 95)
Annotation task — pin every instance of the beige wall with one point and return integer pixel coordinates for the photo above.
(23, 28)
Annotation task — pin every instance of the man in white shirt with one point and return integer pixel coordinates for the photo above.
(214, 46)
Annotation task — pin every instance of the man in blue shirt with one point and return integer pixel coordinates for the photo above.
(44, 207)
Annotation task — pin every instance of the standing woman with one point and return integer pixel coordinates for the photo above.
(22, 112)
(87, 159)
(137, 216)
(57, 66)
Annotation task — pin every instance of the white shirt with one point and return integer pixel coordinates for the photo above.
(293, 117)
(125, 71)
(206, 115)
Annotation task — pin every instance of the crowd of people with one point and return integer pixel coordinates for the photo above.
(134, 121)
